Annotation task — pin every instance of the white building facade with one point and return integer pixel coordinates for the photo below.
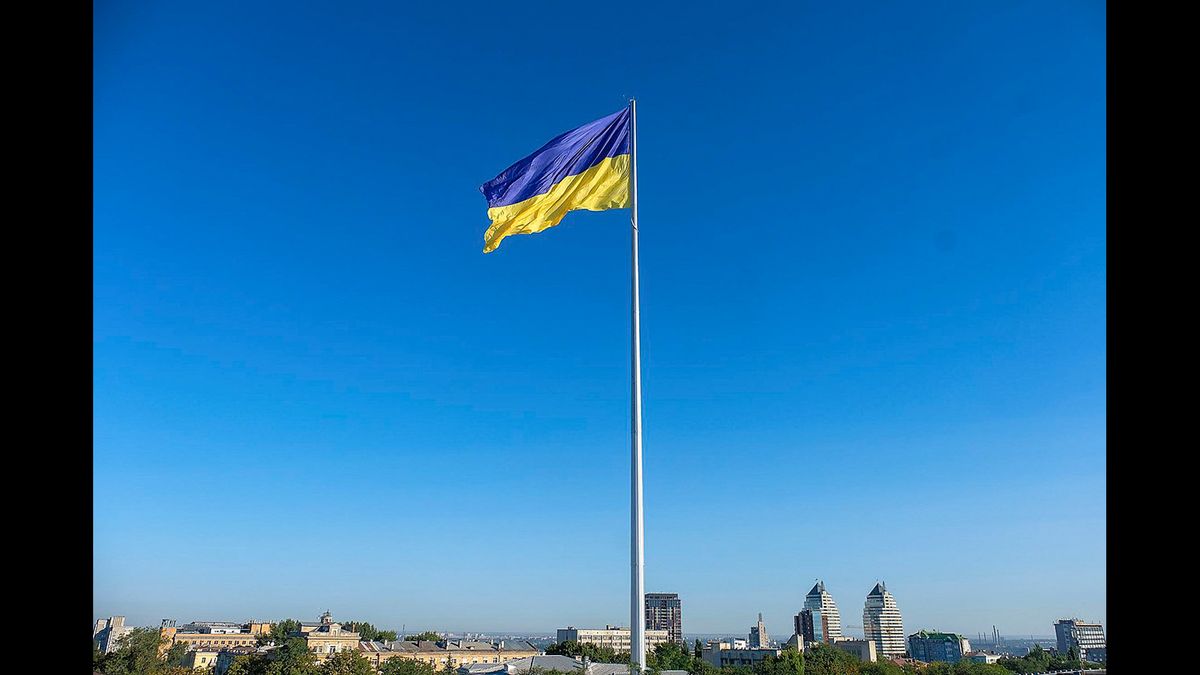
(882, 623)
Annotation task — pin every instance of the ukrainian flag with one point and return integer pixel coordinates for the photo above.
(585, 168)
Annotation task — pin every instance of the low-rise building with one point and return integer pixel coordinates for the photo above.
(202, 659)
(327, 638)
(226, 656)
(612, 637)
(212, 635)
(930, 646)
(551, 662)
(720, 654)
(443, 653)
(863, 649)
(982, 657)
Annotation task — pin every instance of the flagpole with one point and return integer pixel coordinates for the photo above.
(637, 628)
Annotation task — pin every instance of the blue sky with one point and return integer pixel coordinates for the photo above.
(873, 297)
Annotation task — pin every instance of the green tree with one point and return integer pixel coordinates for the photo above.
(395, 666)
(247, 664)
(368, 632)
(789, 662)
(880, 668)
(428, 635)
(137, 653)
(669, 656)
(697, 649)
(280, 632)
(293, 658)
(588, 650)
(823, 659)
(347, 663)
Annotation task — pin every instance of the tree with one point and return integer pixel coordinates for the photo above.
(347, 663)
(880, 668)
(368, 632)
(293, 658)
(280, 632)
(823, 659)
(397, 666)
(247, 664)
(669, 656)
(698, 649)
(588, 650)
(428, 635)
(137, 653)
(789, 662)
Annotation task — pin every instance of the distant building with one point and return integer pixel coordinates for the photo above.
(664, 611)
(107, 633)
(758, 635)
(863, 649)
(544, 663)
(443, 653)
(720, 654)
(616, 639)
(982, 657)
(1087, 638)
(211, 635)
(795, 642)
(803, 625)
(203, 659)
(226, 656)
(930, 646)
(327, 637)
(825, 622)
(882, 623)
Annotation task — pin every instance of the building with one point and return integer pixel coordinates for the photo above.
(107, 633)
(616, 639)
(226, 656)
(198, 635)
(327, 637)
(825, 622)
(882, 623)
(664, 611)
(758, 635)
(803, 625)
(930, 646)
(982, 657)
(720, 654)
(863, 649)
(446, 653)
(1086, 638)
(553, 663)
(203, 659)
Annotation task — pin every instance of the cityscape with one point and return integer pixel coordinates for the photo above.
(237, 648)
(553, 338)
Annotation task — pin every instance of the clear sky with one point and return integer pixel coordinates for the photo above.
(873, 297)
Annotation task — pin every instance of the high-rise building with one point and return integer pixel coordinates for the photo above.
(758, 635)
(931, 645)
(664, 611)
(826, 620)
(1086, 638)
(882, 623)
(107, 633)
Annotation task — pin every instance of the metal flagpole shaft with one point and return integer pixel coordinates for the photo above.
(637, 609)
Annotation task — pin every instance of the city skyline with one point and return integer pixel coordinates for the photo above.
(873, 268)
